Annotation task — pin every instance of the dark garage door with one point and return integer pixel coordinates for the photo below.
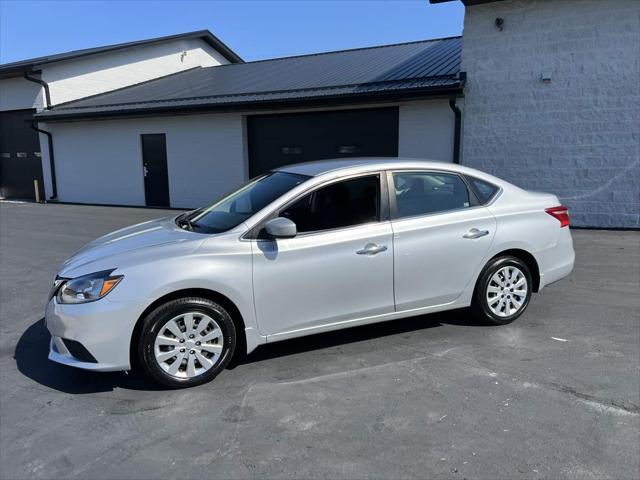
(276, 140)
(20, 160)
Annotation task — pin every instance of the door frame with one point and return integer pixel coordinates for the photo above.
(384, 214)
(391, 186)
(33, 156)
(144, 176)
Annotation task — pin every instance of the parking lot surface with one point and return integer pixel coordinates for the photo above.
(554, 395)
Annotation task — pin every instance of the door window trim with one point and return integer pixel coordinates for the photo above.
(492, 198)
(384, 215)
(393, 205)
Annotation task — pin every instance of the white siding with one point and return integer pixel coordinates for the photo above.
(18, 94)
(101, 161)
(426, 130)
(100, 73)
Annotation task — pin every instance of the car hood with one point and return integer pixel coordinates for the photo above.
(113, 250)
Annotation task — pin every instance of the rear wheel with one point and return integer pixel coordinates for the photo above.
(503, 291)
(186, 342)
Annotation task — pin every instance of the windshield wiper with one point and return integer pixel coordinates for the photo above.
(183, 222)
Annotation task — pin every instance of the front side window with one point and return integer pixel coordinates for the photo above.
(236, 207)
(341, 204)
(421, 193)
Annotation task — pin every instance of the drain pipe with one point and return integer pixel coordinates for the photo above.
(462, 77)
(34, 126)
(456, 130)
(52, 164)
(45, 85)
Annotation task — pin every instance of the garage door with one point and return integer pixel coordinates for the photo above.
(276, 140)
(20, 162)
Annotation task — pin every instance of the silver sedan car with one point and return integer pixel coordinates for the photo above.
(304, 249)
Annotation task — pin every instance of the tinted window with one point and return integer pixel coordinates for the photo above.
(484, 190)
(419, 193)
(341, 204)
(236, 207)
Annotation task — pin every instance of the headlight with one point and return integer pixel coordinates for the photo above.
(87, 288)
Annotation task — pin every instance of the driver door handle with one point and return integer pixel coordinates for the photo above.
(475, 233)
(372, 249)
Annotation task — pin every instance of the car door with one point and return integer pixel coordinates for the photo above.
(338, 267)
(440, 236)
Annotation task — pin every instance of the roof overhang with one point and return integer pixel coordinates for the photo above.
(451, 90)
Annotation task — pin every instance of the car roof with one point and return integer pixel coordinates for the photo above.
(362, 164)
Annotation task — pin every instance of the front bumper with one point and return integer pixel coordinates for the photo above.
(103, 328)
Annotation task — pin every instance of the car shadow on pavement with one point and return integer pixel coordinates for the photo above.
(31, 355)
(33, 347)
(355, 334)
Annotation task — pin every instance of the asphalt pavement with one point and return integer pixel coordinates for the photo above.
(554, 395)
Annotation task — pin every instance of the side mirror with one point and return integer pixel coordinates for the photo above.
(281, 227)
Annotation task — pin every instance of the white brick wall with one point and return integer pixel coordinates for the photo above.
(577, 136)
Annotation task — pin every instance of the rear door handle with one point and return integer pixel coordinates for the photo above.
(475, 233)
(371, 249)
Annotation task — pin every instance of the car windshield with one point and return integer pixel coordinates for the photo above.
(236, 207)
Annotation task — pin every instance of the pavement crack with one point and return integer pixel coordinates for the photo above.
(627, 407)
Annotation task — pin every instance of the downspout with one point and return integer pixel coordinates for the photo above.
(456, 129)
(45, 85)
(458, 120)
(34, 126)
(52, 163)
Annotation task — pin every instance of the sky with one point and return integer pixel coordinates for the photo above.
(253, 29)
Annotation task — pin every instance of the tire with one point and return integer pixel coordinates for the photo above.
(494, 301)
(203, 350)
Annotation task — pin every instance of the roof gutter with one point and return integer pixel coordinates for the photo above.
(52, 163)
(59, 115)
(39, 81)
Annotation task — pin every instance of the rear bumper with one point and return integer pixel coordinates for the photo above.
(103, 328)
(558, 261)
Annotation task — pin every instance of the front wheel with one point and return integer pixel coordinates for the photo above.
(503, 291)
(186, 342)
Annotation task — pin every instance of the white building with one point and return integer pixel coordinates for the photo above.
(42, 83)
(544, 93)
(552, 101)
(184, 138)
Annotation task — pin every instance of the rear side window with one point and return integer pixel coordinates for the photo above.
(420, 193)
(484, 190)
(341, 204)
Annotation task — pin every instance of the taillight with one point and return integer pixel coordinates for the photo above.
(560, 213)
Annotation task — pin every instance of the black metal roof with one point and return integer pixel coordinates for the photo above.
(17, 68)
(416, 68)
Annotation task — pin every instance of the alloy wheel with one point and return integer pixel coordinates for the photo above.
(188, 345)
(507, 291)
